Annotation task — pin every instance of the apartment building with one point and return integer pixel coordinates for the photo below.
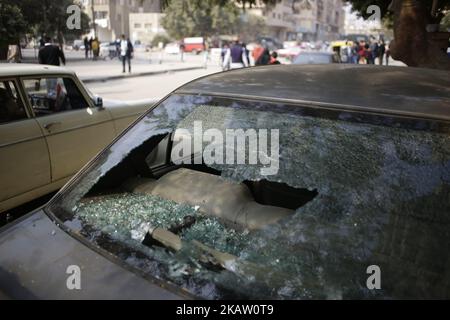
(302, 19)
(112, 17)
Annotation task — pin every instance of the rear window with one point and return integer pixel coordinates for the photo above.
(236, 199)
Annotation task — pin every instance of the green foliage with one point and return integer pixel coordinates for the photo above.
(45, 16)
(445, 23)
(160, 38)
(12, 23)
(186, 18)
(250, 27)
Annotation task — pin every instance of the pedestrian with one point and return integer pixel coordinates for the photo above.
(206, 55)
(236, 57)
(388, 54)
(374, 52)
(274, 58)
(264, 58)
(95, 46)
(51, 54)
(86, 47)
(257, 52)
(126, 52)
(90, 46)
(381, 52)
(13, 54)
(225, 49)
(367, 53)
(42, 41)
(182, 49)
(247, 52)
(354, 53)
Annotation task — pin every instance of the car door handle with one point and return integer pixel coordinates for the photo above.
(50, 125)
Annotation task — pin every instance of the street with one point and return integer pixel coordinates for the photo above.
(154, 75)
(147, 87)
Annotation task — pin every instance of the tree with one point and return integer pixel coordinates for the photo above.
(413, 44)
(250, 26)
(37, 17)
(187, 18)
(12, 26)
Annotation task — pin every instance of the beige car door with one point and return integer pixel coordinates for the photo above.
(24, 159)
(75, 130)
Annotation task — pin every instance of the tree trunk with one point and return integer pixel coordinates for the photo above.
(413, 44)
(3, 51)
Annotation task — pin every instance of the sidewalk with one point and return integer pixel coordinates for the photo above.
(144, 64)
(102, 71)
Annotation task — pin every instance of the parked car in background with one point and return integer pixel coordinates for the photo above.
(270, 43)
(50, 126)
(104, 50)
(78, 45)
(315, 57)
(194, 45)
(350, 177)
(172, 48)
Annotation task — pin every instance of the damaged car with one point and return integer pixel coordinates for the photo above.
(287, 182)
(50, 126)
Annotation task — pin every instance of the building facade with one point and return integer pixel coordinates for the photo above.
(307, 20)
(114, 17)
(145, 26)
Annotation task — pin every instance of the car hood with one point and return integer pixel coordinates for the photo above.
(120, 109)
(34, 258)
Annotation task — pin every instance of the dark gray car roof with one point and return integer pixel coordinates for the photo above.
(403, 91)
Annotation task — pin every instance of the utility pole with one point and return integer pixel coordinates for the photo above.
(93, 18)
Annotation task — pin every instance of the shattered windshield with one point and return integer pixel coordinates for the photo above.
(235, 199)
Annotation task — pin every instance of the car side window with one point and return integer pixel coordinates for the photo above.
(53, 94)
(11, 106)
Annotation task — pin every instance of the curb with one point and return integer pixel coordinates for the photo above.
(136, 75)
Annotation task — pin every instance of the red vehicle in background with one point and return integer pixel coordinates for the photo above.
(195, 45)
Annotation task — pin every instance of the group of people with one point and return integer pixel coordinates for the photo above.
(367, 53)
(238, 56)
(123, 49)
(91, 48)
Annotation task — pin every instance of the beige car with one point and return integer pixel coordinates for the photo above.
(50, 126)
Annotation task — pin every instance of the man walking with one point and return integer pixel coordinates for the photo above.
(236, 57)
(86, 47)
(381, 53)
(51, 54)
(126, 52)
